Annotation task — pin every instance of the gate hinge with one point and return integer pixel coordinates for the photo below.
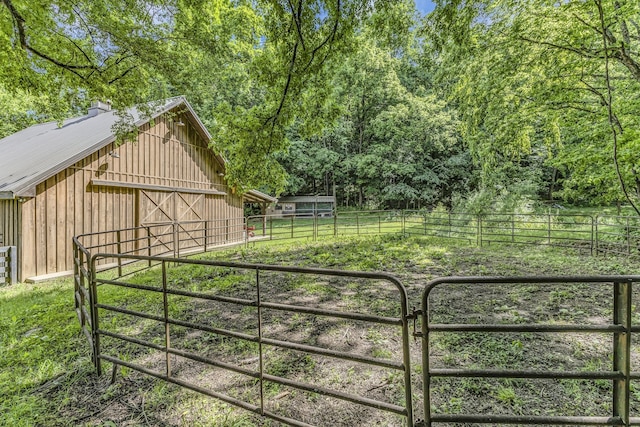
(415, 314)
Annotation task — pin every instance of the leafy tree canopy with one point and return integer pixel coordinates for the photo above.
(546, 79)
(249, 66)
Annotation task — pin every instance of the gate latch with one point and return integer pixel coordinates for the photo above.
(414, 316)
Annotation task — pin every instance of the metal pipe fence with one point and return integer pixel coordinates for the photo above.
(619, 330)
(169, 343)
(109, 259)
(600, 235)
(614, 235)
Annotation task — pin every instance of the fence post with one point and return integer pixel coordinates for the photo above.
(513, 228)
(549, 228)
(76, 278)
(149, 243)
(404, 228)
(315, 226)
(167, 336)
(591, 247)
(264, 225)
(292, 216)
(357, 224)
(628, 235)
(270, 228)
(335, 224)
(176, 241)
(596, 233)
(260, 352)
(206, 234)
(118, 238)
(93, 296)
(424, 223)
(622, 350)
(479, 232)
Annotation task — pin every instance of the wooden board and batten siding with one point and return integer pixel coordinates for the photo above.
(9, 222)
(168, 174)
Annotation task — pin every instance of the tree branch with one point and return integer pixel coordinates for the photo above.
(612, 119)
(24, 44)
(328, 39)
(594, 54)
(297, 20)
(585, 23)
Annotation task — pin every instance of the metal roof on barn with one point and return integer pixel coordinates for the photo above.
(307, 199)
(37, 153)
(255, 196)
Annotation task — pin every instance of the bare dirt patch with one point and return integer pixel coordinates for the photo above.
(137, 399)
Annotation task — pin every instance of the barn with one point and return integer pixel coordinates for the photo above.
(59, 181)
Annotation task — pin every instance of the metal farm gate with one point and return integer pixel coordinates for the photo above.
(168, 339)
(619, 332)
(164, 335)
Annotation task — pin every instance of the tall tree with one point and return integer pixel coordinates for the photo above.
(394, 145)
(276, 55)
(547, 78)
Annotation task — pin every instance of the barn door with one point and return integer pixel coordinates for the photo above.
(156, 212)
(172, 216)
(157, 207)
(190, 220)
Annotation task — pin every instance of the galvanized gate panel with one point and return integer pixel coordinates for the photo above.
(620, 331)
(267, 336)
(83, 295)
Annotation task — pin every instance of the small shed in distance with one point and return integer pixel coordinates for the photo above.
(62, 181)
(323, 206)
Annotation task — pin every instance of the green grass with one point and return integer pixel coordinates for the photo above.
(46, 376)
(39, 344)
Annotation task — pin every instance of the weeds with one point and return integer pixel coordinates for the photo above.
(46, 376)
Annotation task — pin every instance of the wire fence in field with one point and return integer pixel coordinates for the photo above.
(615, 235)
(618, 235)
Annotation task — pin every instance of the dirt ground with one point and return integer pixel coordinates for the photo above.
(137, 399)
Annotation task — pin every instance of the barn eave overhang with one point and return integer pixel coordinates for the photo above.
(255, 196)
(27, 188)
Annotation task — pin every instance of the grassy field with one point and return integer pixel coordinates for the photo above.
(46, 377)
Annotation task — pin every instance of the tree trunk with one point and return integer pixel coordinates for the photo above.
(552, 187)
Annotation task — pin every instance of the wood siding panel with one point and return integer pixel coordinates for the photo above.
(60, 209)
(66, 204)
(10, 223)
(27, 246)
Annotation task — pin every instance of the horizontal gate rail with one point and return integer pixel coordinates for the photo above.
(83, 296)
(621, 330)
(166, 289)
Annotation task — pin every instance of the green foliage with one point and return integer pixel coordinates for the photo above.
(530, 81)
(250, 67)
(21, 108)
(395, 144)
